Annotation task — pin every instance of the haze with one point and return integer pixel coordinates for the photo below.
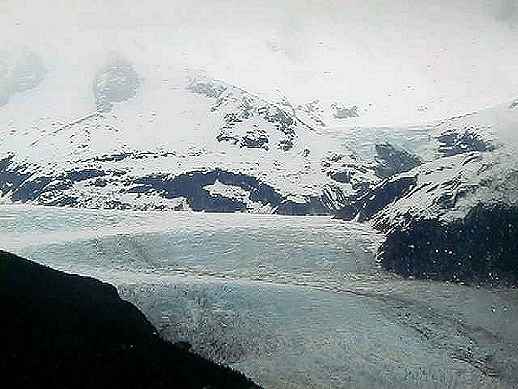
(399, 61)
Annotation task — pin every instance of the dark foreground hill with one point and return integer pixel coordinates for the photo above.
(67, 331)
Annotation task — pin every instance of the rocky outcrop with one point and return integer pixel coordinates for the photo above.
(11, 175)
(214, 190)
(61, 330)
(311, 206)
(254, 139)
(453, 142)
(393, 160)
(242, 112)
(377, 198)
(482, 247)
(193, 186)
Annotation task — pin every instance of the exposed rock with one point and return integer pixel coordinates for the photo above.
(24, 187)
(312, 207)
(85, 174)
(100, 182)
(286, 144)
(226, 136)
(30, 189)
(62, 330)
(192, 187)
(453, 142)
(392, 160)
(11, 174)
(253, 139)
(59, 189)
(117, 157)
(360, 174)
(482, 247)
(344, 176)
(246, 108)
(377, 198)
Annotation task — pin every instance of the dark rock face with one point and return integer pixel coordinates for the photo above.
(312, 207)
(128, 155)
(255, 139)
(343, 176)
(348, 173)
(252, 139)
(20, 186)
(85, 174)
(30, 189)
(61, 330)
(455, 142)
(191, 186)
(392, 160)
(377, 198)
(481, 248)
(28, 186)
(11, 176)
(116, 82)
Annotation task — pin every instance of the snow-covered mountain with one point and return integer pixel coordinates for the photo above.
(177, 139)
(455, 215)
(469, 159)
(126, 136)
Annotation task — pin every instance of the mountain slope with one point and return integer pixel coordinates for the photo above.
(453, 217)
(173, 139)
(130, 137)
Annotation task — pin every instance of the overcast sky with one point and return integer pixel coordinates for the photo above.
(411, 59)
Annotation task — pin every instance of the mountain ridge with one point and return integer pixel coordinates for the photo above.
(231, 150)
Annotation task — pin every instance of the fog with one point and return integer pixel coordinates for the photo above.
(399, 61)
